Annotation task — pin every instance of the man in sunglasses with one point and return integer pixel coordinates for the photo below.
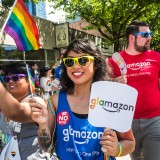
(17, 84)
(143, 73)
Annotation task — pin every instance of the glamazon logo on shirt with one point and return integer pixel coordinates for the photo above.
(81, 137)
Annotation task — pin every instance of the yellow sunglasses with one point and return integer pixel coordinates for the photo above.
(82, 61)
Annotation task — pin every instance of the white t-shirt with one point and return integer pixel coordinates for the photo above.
(46, 83)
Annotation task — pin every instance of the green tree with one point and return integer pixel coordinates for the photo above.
(111, 17)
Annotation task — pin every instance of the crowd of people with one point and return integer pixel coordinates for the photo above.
(37, 124)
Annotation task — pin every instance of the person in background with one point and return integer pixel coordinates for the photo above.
(45, 81)
(82, 65)
(58, 71)
(1, 74)
(143, 73)
(17, 84)
(53, 73)
(33, 68)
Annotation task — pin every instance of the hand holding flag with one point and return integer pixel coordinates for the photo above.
(31, 81)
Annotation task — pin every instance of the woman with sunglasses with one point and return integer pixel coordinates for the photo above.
(17, 84)
(76, 139)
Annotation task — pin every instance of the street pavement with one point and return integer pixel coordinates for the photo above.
(127, 157)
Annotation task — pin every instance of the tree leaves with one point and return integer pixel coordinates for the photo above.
(114, 15)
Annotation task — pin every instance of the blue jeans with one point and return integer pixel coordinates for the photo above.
(147, 135)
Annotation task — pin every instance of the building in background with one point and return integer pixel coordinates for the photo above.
(77, 27)
(37, 9)
(44, 9)
(48, 22)
(57, 16)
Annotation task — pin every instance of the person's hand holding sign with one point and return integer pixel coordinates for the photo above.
(120, 79)
(109, 142)
(112, 106)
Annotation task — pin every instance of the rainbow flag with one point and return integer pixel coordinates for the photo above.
(22, 28)
(31, 81)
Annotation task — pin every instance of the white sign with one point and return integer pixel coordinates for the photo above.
(112, 105)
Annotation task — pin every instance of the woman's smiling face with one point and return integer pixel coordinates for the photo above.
(80, 74)
(18, 88)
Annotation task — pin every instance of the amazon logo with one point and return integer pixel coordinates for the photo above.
(110, 106)
(139, 65)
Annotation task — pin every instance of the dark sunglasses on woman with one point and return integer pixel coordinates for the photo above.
(14, 77)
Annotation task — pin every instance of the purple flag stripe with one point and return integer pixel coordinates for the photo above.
(14, 35)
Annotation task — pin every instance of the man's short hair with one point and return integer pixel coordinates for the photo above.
(133, 27)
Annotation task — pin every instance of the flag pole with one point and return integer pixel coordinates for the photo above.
(29, 79)
(24, 56)
(10, 12)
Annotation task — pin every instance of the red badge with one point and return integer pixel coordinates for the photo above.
(63, 118)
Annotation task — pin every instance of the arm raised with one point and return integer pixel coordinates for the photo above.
(14, 110)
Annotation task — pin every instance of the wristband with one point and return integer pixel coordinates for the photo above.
(120, 149)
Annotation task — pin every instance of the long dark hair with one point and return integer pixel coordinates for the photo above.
(43, 71)
(100, 65)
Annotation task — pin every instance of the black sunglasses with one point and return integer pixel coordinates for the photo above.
(144, 34)
(14, 77)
